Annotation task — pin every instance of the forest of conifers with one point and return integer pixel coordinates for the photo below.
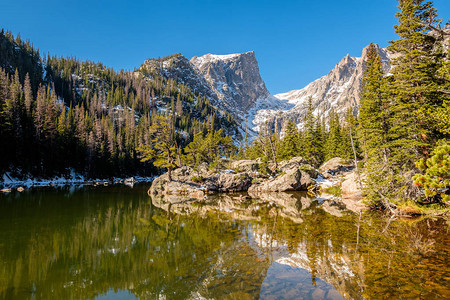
(61, 114)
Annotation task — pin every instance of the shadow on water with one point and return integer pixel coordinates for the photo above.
(116, 243)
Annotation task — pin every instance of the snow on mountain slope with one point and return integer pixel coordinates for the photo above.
(338, 90)
(232, 83)
(236, 81)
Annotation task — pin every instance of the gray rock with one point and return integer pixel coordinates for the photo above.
(234, 182)
(350, 186)
(292, 180)
(182, 183)
(298, 162)
(335, 166)
(351, 193)
(246, 165)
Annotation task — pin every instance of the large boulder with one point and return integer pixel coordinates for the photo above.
(335, 166)
(185, 181)
(234, 182)
(292, 180)
(246, 165)
(300, 163)
(352, 193)
(162, 186)
(351, 187)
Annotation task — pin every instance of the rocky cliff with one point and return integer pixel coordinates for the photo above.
(178, 68)
(337, 90)
(237, 83)
(231, 82)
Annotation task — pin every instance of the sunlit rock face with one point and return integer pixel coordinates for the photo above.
(339, 90)
(235, 78)
(230, 82)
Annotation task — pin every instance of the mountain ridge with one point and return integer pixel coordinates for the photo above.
(233, 83)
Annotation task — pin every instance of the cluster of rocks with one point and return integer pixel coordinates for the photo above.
(293, 175)
(296, 174)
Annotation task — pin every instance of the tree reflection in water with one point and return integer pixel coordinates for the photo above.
(94, 242)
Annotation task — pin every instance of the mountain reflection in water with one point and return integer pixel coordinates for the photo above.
(115, 242)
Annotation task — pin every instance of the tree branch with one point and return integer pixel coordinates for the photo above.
(440, 30)
(444, 91)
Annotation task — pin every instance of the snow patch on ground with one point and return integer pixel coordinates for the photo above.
(9, 182)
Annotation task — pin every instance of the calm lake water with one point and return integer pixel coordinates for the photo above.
(116, 243)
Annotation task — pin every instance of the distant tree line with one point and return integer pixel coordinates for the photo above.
(58, 114)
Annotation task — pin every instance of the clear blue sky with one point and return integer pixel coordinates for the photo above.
(295, 41)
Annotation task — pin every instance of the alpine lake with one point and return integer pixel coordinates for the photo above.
(115, 242)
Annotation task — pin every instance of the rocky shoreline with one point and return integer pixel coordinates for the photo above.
(292, 175)
(9, 183)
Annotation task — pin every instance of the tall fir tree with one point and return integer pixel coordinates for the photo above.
(413, 93)
(290, 144)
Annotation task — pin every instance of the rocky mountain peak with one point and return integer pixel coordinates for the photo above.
(178, 68)
(232, 82)
(338, 90)
(234, 78)
(236, 81)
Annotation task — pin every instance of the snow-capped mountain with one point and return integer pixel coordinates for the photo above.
(337, 90)
(238, 85)
(231, 82)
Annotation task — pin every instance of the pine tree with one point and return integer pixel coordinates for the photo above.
(333, 143)
(414, 93)
(164, 152)
(436, 178)
(311, 145)
(290, 143)
(28, 96)
(414, 89)
(373, 128)
(348, 134)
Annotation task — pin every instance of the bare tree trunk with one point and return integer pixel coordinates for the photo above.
(274, 155)
(356, 161)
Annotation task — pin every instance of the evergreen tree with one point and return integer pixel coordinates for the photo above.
(310, 140)
(374, 127)
(347, 135)
(290, 143)
(28, 94)
(164, 150)
(333, 144)
(436, 178)
(413, 87)
(414, 93)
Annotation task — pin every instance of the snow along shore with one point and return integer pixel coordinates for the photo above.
(8, 182)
